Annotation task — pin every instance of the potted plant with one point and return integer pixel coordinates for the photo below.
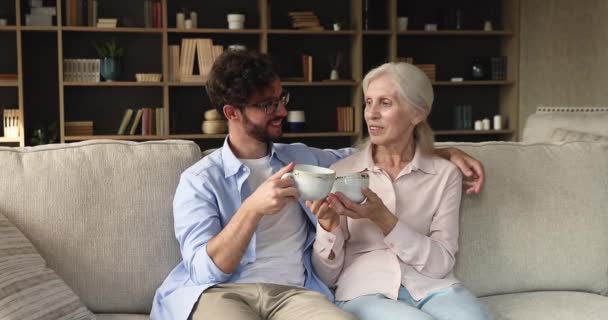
(110, 55)
(338, 24)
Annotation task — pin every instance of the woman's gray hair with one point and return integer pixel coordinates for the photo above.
(415, 90)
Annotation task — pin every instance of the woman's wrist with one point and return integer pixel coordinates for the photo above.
(329, 224)
(386, 221)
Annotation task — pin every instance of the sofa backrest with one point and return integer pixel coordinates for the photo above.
(541, 221)
(541, 126)
(100, 213)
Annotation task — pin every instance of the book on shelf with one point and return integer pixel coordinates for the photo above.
(307, 67)
(174, 63)
(136, 122)
(125, 121)
(80, 13)
(78, 128)
(152, 14)
(345, 119)
(107, 23)
(204, 51)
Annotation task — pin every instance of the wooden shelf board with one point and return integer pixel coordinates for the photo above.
(11, 83)
(187, 84)
(39, 28)
(8, 28)
(454, 33)
(114, 84)
(216, 30)
(376, 32)
(329, 83)
(9, 140)
(471, 132)
(312, 32)
(116, 30)
(115, 137)
(474, 83)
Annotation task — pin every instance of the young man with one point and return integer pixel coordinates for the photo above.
(245, 239)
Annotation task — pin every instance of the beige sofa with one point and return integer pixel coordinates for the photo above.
(534, 244)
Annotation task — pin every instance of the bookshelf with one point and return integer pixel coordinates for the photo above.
(45, 97)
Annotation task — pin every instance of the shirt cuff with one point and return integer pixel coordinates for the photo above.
(404, 241)
(205, 270)
(327, 241)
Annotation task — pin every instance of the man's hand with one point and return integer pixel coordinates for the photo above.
(272, 195)
(471, 168)
(327, 217)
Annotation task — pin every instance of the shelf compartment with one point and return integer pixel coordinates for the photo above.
(116, 137)
(312, 32)
(475, 33)
(216, 31)
(114, 84)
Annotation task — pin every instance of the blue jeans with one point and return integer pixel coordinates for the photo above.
(453, 303)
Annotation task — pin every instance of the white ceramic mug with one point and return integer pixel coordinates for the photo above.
(312, 182)
(401, 23)
(351, 186)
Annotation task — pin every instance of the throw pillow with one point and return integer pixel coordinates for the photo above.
(564, 135)
(28, 289)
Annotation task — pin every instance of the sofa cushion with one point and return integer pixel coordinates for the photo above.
(561, 135)
(539, 126)
(100, 213)
(548, 305)
(28, 289)
(541, 221)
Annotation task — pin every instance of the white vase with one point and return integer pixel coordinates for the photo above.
(337, 27)
(334, 75)
(236, 21)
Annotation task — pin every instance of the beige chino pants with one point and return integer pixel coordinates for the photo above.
(233, 301)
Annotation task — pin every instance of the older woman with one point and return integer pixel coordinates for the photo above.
(392, 256)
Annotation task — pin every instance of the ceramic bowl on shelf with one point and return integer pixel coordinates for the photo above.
(214, 126)
(148, 77)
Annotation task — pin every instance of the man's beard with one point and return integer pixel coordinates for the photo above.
(259, 132)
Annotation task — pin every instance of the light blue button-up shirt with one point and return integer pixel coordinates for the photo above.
(208, 195)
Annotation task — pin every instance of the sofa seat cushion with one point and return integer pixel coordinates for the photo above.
(564, 135)
(28, 289)
(122, 316)
(548, 305)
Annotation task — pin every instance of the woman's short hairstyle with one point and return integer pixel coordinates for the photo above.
(415, 91)
(237, 75)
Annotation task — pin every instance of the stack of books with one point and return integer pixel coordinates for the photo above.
(304, 20)
(107, 23)
(429, 69)
(345, 119)
(10, 120)
(8, 77)
(81, 70)
(79, 128)
(152, 14)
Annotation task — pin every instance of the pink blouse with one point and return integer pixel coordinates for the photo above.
(419, 253)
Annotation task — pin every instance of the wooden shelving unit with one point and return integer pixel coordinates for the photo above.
(266, 30)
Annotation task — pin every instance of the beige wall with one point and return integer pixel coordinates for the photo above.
(564, 54)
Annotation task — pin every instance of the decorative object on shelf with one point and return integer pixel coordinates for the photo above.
(148, 77)
(485, 124)
(462, 117)
(180, 19)
(304, 20)
(430, 27)
(478, 125)
(478, 69)
(3, 22)
(498, 67)
(205, 52)
(487, 25)
(236, 21)
(110, 55)
(497, 122)
(81, 70)
(338, 24)
(456, 79)
(214, 123)
(188, 24)
(11, 121)
(334, 63)
(402, 23)
(45, 135)
(194, 19)
(39, 15)
(296, 119)
(366, 15)
(345, 119)
(458, 18)
(237, 46)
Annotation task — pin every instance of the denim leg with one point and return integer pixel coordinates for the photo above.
(454, 303)
(377, 306)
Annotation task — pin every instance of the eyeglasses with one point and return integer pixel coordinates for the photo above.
(269, 106)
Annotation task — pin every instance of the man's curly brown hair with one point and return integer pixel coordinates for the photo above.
(237, 75)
